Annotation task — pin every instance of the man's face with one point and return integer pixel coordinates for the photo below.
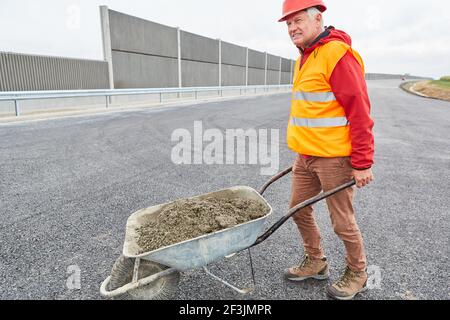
(302, 29)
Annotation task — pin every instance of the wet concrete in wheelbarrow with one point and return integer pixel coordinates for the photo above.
(192, 218)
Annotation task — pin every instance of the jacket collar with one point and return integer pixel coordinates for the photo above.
(316, 41)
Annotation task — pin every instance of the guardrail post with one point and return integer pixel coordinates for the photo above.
(160, 97)
(107, 102)
(196, 95)
(16, 108)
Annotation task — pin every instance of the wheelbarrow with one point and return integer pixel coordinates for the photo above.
(155, 275)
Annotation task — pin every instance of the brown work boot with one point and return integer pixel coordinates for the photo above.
(350, 284)
(309, 268)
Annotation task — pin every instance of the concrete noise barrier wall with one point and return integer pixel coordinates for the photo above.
(145, 54)
(24, 72)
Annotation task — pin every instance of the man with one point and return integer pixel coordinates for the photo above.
(330, 129)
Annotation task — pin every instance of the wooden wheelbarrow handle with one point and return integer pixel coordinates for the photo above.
(298, 207)
(274, 179)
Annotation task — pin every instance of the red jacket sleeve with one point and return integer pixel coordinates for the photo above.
(350, 89)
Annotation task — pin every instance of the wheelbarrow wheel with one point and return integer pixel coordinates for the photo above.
(161, 289)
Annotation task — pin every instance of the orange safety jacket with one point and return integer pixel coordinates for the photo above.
(318, 125)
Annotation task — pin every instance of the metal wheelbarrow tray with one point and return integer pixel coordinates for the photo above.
(155, 274)
(203, 250)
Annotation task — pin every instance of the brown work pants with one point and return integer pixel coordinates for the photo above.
(311, 176)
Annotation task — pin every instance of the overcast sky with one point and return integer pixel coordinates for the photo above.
(392, 36)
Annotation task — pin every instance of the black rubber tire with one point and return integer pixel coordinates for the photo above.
(162, 289)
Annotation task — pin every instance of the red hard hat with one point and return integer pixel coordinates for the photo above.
(293, 6)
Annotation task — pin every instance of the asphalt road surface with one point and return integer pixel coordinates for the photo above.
(67, 187)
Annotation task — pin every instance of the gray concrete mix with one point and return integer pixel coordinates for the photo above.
(67, 187)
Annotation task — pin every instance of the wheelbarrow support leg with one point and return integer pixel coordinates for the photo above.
(241, 291)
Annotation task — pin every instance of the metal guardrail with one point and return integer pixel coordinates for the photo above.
(17, 96)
